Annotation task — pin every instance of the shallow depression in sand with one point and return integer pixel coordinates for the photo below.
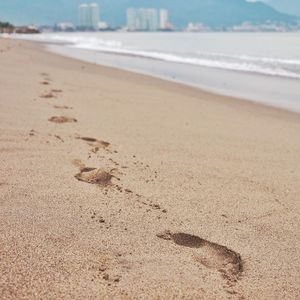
(62, 119)
(94, 176)
(209, 254)
(48, 95)
(94, 142)
(62, 107)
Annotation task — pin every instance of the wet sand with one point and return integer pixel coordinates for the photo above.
(118, 185)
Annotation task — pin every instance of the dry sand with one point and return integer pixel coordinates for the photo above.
(158, 191)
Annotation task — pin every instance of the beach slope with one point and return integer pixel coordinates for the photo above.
(118, 185)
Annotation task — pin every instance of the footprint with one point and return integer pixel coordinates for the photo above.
(88, 139)
(94, 142)
(44, 82)
(98, 176)
(62, 119)
(52, 93)
(59, 138)
(209, 254)
(94, 176)
(48, 95)
(62, 107)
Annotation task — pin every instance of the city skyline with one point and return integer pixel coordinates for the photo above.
(213, 13)
(207, 15)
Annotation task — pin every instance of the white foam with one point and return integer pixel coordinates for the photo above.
(274, 66)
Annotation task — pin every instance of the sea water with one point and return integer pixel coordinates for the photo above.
(263, 67)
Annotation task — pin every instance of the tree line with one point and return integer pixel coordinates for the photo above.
(6, 25)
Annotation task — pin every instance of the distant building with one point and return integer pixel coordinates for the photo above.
(197, 27)
(64, 26)
(142, 19)
(89, 16)
(152, 19)
(164, 19)
(265, 27)
(26, 29)
(131, 17)
(102, 25)
(46, 28)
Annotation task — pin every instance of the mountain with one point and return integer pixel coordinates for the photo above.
(286, 6)
(215, 13)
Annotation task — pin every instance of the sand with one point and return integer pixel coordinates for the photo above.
(147, 189)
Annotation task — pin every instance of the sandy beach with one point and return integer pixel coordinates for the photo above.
(115, 185)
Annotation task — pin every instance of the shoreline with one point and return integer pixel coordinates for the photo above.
(120, 185)
(203, 90)
(272, 90)
(261, 98)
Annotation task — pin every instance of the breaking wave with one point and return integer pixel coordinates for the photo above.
(273, 66)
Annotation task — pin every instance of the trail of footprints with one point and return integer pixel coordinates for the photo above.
(53, 93)
(210, 255)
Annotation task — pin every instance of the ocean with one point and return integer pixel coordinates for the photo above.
(262, 67)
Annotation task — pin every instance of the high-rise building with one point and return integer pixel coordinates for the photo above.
(89, 16)
(164, 19)
(145, 19)
(132, 18)
(153, 20)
